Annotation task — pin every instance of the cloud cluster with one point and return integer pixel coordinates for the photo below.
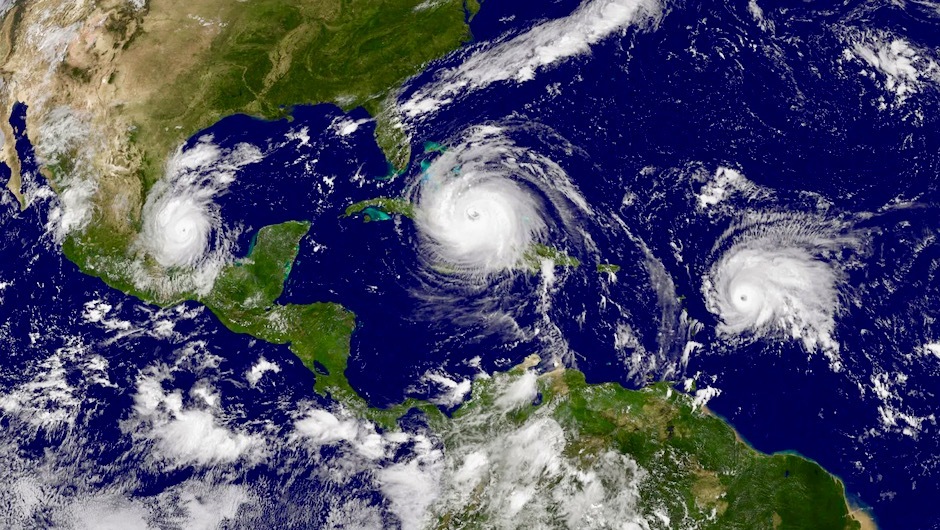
(519, 58)
(182, 229)
(483, 204)
(779, 276)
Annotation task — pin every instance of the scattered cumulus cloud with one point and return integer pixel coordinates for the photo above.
(185, 434)
(899, 66)
(260, 368)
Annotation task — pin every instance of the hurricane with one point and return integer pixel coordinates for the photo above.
(483, 206)
(480, 223)
(506, 242)
(179, 231)
(182, 226)
(500, 234)
(780, 276)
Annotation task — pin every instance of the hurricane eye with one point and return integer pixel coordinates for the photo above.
(761, 287)
(483, 219)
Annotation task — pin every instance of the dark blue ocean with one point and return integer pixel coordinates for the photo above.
(636, 123)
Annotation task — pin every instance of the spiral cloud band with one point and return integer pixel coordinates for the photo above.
(482, 205)
(179, 231)
(480, 223)
(182, 228)
(776, 280)
(786, 289)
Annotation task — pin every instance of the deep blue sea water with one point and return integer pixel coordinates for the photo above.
(637, 124)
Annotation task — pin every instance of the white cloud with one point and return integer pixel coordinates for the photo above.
(519, 393)
(933, 348)
(52, 41)
(901, 67)
(893, 414)
(184, 435)
(775, 277)
(413, 485)
(179, 216)
(482, 204)
(50, 399)
(453, 392)
(521, 57)
(182, 227)
(355, 514)
(260, 368)
(345, 126)
(704, 395)
(725, 183)
(208, 509)
(6, 5)
(65, 134)
(96, 311)
(107, 513)
(519, 476)
(322, 427)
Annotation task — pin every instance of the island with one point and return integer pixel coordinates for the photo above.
(381, 208)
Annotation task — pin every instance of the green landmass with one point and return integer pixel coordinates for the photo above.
(698, 455)
(608, 267)
(393, 140)
(256, 280)
(263, 57)
(243, 298)
(387, 205)
(259, 58)
(695, 469)
(533, 258)
(274, 54)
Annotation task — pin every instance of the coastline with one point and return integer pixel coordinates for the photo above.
(858, 513)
